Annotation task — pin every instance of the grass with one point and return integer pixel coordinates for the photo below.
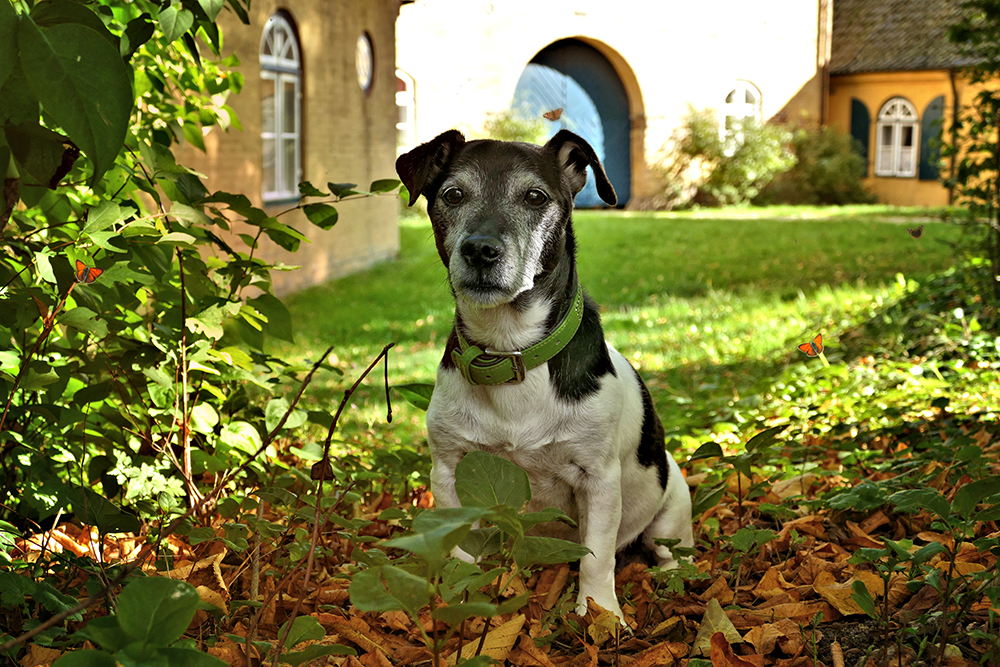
(709, 305)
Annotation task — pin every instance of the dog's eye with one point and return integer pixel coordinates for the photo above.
(535, 198)
(454, 196)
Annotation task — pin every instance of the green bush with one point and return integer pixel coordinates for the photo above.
(828, 170)
(704, 165)
(510, 125)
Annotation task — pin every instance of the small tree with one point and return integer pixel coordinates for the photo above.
(975, 138)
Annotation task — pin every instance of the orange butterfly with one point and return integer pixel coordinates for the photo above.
(553, 115)
(814, 348)
(87, 274)
(915, 233)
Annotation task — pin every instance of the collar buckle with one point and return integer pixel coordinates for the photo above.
(517, 362)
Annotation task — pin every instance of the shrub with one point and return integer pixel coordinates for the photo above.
(703, 165)
(511, 125)
(828, 170)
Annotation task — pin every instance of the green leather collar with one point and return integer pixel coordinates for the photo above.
(489, 367)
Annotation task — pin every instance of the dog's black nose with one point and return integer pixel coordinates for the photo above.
(481, 251)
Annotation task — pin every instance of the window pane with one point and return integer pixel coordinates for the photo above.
(905, 167)
(290, 166)
(268, 111)
(270, 173)
(885, 138)
(749, 97)
(907, 136)
(288, 117)
(731, 97)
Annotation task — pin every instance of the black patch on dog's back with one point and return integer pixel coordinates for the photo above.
(652, 442)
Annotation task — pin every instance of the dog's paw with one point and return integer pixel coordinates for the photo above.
(596, 612)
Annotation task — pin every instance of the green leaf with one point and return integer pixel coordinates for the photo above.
(342, 189)
(84, 319)
(928, 551)
(915, 500)
(211, 8)
(706, 451)
(765, 438)
(304, 628)
(313, 652)
(8, 42)
(106, 633)
(86, 658)
(402, 591)
(307, 189)
(137, 32)
(96, 510)
(706, 497)
(531, 519)
(484, 480)
(174, 22)
(482, 542)
(455, 614)
(83, 84)
(384, 185)
(323, 216)
(276, 409)
(102, 216)
(437, 532)
(242, 436)
(189, 657)
(535, 550)
(41, 152)
(279, 320)
(157, 610)
(864, 599)
(417, 394)
(973, 493)
(48, 13)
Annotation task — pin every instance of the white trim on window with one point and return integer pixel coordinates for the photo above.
(742, 103)
(281, 110)
(406, 125)
(897, 137)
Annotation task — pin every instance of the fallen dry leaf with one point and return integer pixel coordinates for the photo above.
(499, 641)
(715, 621)
(722, 654)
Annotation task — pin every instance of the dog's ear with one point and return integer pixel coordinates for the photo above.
(573, 155)
(418, 168)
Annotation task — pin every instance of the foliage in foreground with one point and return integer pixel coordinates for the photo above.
(122, 405)
(973, 140)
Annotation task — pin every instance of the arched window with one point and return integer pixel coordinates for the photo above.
(281, 115)
(742, 104)
(896, 138)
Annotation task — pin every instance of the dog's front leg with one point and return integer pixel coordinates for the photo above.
(600, 502)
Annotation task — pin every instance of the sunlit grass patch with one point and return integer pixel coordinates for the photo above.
(709, 307)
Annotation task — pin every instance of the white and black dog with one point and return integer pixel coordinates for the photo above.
(527, 374)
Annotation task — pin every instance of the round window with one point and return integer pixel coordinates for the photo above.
(364, 60)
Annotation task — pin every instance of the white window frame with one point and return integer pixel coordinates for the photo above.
(892, 158)
(736, 107)
(283, 67)
(406, 103)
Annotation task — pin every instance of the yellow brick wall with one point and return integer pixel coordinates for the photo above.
(346, 134)
(874, 90)
(466, 56)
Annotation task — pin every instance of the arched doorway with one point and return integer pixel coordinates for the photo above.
(577, 77)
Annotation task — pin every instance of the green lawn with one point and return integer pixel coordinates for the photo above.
(708, 305)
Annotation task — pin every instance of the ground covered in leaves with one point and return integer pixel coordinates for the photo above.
(882, 560)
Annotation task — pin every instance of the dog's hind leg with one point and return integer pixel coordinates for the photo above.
(673, 521)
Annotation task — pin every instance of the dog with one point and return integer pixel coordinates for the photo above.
(526, 373)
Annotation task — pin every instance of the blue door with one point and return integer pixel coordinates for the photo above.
(576, 77)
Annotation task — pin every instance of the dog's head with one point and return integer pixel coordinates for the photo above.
(500, 209)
